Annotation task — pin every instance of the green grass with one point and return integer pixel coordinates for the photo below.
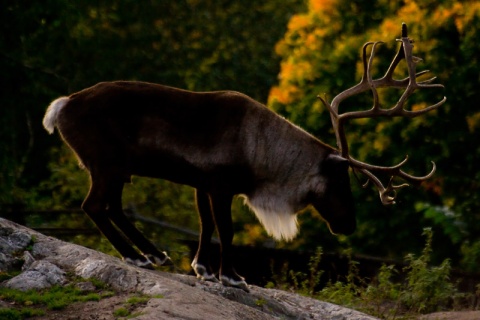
(131, 303)
(121, 312)
(54, 298)
(31, 303)
(35, 302)
(138, 299)
(8, 275)
(14, 314)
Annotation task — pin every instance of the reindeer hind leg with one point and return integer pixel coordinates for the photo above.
(96, 206)
(117, 216)
(201, 262)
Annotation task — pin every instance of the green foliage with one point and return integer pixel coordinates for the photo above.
(34, 302)
(306, 283)
(427, 288)
(471, 255)
(383, 293)
(121, 312)
(260, 302)
(301, 282)
(138, 299)
(23, 313)
(56, 49)
(344, 292)
(54, 298)
(64, 47)
(131, 303)
(321, 55)
(59, 48)
(392, 294)
(8, 275)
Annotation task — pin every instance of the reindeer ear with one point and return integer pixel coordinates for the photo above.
(334, 163)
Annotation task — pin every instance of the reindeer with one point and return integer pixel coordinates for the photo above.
(222, 144)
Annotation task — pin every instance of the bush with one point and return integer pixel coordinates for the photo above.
(416, 288)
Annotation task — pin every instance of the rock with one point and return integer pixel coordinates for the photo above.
(40, 275)
(28, 260)
(120, 278)
(12, 243)
(12, 240)
(176, 296)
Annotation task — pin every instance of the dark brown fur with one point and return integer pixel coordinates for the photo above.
(220, 143)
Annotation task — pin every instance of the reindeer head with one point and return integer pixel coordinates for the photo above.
(335, 203)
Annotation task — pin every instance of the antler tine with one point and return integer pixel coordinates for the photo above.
(359, 164)
(362, 86)
(385, 193)
(407, 46)
(414, 179)
(376, 103)
(388, 77)
(365, 84)
(410, 84)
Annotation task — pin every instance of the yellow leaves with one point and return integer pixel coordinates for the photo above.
(455, 12)
(410, 13)
(298, 22)
(459, 22)
(287, 70)
(312, 42)
(281, 48)
(442, 15)
(283, 94)
(307, 30)
(464, 14)
(320, 33)
(461, 13)
(322, 6)
(297, 72)
(253, 234)
(381, 141)
(419, 106)
(389, 29)
(254, 231)
(411, 10)
(291, 73)
(473, 122)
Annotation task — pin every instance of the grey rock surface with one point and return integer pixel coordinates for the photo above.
(40, 275)
(175, 296)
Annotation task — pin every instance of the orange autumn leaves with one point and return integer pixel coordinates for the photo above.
(313, 38)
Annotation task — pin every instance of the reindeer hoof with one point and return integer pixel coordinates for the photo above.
(142, 262)
(160, 261)
(240, 283)
(202, 273)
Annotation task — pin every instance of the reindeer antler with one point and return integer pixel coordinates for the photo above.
(388, 192)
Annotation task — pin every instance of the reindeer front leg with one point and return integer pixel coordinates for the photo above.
(221, 206)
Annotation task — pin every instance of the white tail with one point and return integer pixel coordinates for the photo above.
(50, 118)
